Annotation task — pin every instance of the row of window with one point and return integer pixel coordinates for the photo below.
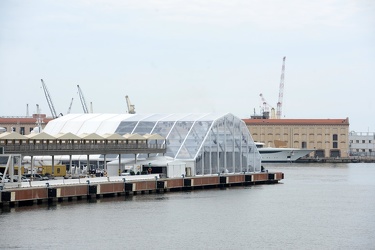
(362, 141)
(334, 136)
(22, 130)
(362, 150)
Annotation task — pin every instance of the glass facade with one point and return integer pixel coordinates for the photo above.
(208, 143)
(213, 143)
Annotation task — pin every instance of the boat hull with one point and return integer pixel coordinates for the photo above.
(282, 154)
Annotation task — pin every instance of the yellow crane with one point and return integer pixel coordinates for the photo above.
(131, 108)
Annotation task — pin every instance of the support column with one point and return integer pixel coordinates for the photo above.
(53, 165)
(119, 162)
(105, 163)
(32, 165)
(71, 163)
(88, 165)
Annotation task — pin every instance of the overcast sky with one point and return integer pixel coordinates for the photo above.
(174, 56)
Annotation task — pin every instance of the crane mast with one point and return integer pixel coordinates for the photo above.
(281, 91)
(131, 107)
(49, 100)
(84, 105)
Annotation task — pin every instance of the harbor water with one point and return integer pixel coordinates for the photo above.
(316, 206)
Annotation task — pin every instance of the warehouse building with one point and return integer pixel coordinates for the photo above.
(328, 137)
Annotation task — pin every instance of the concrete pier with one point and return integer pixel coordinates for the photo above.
(95, 190)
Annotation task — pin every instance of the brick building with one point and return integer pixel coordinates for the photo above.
(23, 125)
(328, 137)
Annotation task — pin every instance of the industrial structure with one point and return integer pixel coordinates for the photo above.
(281, 92)
(266, 107)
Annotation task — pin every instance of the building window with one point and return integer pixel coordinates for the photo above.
(22, 130)
(334, 137)
(356, 141)
(369, 141)
(304, 144)
(334, 144)
(363, 141)
(351, 141)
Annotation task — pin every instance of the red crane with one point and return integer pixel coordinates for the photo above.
(281, 92)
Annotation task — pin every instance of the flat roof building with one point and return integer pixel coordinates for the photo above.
(362, 144)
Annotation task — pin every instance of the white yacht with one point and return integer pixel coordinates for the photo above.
(271, 154)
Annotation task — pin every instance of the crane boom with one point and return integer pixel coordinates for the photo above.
(281, 91)
(131, 108)
(70, 106)
(84, 105)
(49, 100)
(265, 105)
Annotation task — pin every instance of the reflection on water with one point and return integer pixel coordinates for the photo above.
(316, 206)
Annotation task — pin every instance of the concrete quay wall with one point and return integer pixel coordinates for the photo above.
(91, 190)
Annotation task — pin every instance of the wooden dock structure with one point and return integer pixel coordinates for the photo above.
(90, 190)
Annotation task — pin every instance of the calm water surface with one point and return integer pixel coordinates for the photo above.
(316, 206)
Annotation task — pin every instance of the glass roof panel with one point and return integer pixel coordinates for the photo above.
(144, 127)
(194, 139)
(126, 127)
(193, 117)
(156, 117)
(174, 117)
(211, 117)
(137, 117)
(163, 128)
(111, 124)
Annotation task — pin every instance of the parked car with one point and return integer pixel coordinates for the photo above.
(23, 179)
(36, 177)
(125, 172)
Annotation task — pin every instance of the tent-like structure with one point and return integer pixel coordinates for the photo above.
(208, 143)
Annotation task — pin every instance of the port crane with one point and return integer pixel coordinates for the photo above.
(281, 92)
(265, 105)
(266, 108)
(83, 101)
(131, 107)
(49, 100)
